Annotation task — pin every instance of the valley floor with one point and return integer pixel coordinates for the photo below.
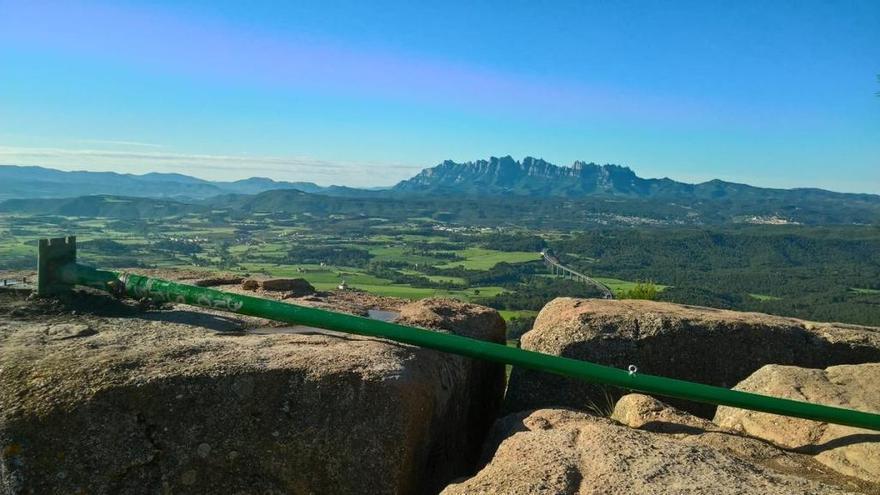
(819, 273)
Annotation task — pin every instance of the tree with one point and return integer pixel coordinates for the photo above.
(517, 326)
(642, 290)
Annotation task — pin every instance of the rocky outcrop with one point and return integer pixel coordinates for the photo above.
(475, 406)
(192, 401)
(292, 287)
(295, 287)
(562, 452)
(649, 414)
(220, 280)
(711, 346)
(850, 451)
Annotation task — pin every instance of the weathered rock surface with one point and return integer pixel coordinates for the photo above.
(295, 287)
(851, 451)
(712, 346)
(192, 401)
(649, 414)
(563, 452)
(218, 280)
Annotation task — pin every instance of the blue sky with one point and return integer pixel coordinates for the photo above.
(366, 93)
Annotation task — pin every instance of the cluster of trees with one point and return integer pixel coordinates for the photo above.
(503, 274)
(438, 250)
(501, 241)
(390, 271)
(806, 272)
(538, 291)
(642, 290)
(519, 325)
(177, 247)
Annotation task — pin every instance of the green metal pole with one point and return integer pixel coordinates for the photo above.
(163, 290)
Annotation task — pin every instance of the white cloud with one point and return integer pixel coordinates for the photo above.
(214, 167)
(117, 143)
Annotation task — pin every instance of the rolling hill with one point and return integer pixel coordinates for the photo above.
(38, 182)
(530, 190)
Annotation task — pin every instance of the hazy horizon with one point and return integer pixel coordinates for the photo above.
(386, 186)
(773, 95)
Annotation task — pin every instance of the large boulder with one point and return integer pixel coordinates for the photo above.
(649, 414)
(851, 451)
(562, 452)
(704, 345)
(295, 287)
(193, 401)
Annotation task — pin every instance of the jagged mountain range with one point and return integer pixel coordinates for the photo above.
(531, 176)
(536, 177)
(493, 177)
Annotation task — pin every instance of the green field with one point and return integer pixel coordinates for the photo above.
(409, 292)
(316, 274)
(436, 278)
(620, 286)
(399, 254)
(483, 259)
(16, 249)
(329, 277)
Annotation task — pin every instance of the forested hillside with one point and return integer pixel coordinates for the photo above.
(815, 273)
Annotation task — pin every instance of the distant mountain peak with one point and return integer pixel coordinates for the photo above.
(531, 176)
(496, 176)
(504, 176)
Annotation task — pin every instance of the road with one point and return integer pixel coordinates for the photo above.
(563, 271)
